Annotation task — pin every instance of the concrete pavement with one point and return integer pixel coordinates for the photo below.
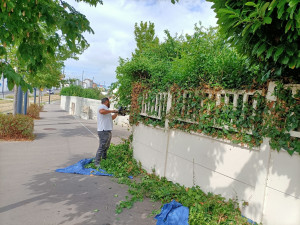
(32, 193)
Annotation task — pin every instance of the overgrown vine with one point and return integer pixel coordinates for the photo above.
(195, 110)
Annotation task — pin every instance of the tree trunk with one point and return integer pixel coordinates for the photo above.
(15, 100)
(39, 97)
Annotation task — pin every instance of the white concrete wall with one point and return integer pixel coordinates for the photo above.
(282, 202)
(78, 106)
(150, 145)
(269, 181)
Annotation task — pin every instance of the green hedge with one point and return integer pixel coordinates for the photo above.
(74, 90)
(16, 127)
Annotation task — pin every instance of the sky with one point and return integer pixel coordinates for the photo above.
(113, 24)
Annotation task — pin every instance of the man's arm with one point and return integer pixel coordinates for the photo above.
(105, 111)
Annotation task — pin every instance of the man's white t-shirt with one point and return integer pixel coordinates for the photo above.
(104, 122)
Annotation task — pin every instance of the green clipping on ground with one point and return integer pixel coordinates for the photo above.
(204, 208)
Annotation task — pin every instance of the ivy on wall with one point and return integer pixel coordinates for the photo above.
(281, 117)
(240, 124)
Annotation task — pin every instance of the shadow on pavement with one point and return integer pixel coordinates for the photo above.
(82, 199)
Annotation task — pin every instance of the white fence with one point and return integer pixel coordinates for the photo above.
(157, 107)
(86, 108)
(267, 180)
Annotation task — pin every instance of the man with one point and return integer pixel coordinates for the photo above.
(104, 128)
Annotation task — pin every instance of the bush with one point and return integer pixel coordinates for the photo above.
(34, 111)
(16, 127)
(74, 90)
(190, 61)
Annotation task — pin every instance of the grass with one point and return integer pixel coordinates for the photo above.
(204, 208)
(6, 106)
(4, 101)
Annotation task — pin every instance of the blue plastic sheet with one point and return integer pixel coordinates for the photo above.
(78, 168)
(173, 213)
(249, 220)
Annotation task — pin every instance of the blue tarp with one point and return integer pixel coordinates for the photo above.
(78, 168)
(173, 213)
(249, 220)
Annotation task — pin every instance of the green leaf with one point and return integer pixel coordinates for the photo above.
(246, 28)
(293, 3)
(10, 84)
(2, 50)
(273, 4)
(278, 52)
(291, 152)
(278, 72)
(292, 62)
(285, 60)
(288, 26)
(269, 52)
(253, 14)
(238, 23)
(280, 12)
(256, 26)
(268, 20)
(234, 16)
(227, 11)
(261, 49)
(263, 9)
(250, 4)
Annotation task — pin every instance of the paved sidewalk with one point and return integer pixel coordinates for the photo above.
(31, 193)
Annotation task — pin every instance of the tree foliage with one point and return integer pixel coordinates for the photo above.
(74, 90)
(266, 31)
(144, 35)
(40, 30)
(188, 61)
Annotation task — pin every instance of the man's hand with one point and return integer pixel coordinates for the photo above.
(115, 115)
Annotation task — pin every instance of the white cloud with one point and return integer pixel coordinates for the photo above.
(113, 24)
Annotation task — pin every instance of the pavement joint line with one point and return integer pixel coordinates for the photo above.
(86, 127)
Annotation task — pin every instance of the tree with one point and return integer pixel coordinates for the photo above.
(47, 77)
(144, 35)
(265, 31)
(39, 29)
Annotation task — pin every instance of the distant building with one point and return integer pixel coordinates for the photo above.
(87, 83)
(78, 82)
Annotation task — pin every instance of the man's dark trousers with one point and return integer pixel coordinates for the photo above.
(104, 143)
